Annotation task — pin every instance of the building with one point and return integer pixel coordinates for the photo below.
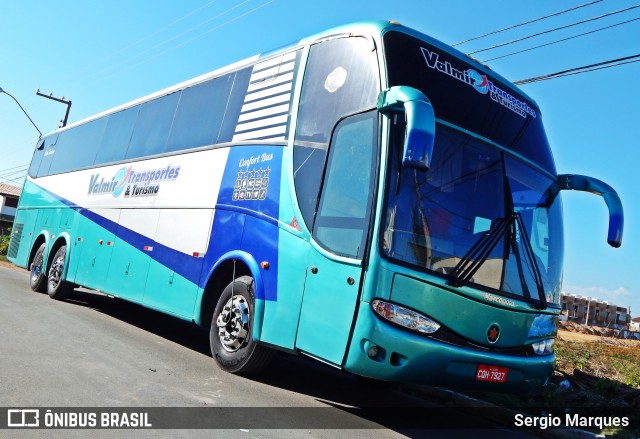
(634, 325)
(595, 312)
(9, 196)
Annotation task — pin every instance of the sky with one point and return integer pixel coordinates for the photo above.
(102, 54)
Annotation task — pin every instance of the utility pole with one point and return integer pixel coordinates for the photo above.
(61, 100)
(586, 318)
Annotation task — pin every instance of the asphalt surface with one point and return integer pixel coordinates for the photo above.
(96, 351)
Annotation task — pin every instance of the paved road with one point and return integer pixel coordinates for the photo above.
(96, 351)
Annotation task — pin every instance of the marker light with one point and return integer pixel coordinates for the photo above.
(543, 347)
(404, 317)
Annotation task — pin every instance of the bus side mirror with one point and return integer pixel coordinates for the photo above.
(595, 186)
(421, 123)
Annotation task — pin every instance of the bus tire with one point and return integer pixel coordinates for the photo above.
(232, 344)
(56, 287)
(38, 280)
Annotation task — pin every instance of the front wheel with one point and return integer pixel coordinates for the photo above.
(231, 340)
(56, 287)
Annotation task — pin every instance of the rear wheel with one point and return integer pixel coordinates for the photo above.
(38, 280)
(56, 287)
(231, 340)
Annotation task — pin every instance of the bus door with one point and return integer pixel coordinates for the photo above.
(339, 235)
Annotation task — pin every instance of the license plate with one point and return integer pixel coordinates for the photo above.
(493, 374)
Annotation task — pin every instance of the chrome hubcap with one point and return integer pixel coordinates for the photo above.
(36, 269)
(35, 272)
(55, 274)
(233, 323)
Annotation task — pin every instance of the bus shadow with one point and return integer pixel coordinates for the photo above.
(357, 403)
(171, 328)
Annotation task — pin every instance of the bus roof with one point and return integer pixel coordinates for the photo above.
(370, 28)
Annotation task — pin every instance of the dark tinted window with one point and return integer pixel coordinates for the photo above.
(308, 165)
(234, 106)
(117, 135)
(47, 154)
(341, 79)
(199, 115)
(345, 203)
(152, 128)
(468, 96)
(38, 153)
(77, 147)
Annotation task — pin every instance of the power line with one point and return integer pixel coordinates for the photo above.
(202, 34)
(559, 41)
(553, 30)
(14, 180)
(15, 167)
(124, 62)
(146, 37)
(9, 174)
(526, 22)
(583, 69)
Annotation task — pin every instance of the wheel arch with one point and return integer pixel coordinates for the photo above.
(42, 238)
(220, 275)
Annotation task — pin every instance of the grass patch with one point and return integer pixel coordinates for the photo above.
(604, 375)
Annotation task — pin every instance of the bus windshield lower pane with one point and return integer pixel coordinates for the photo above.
(476, 207)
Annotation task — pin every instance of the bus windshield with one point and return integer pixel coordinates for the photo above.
(478, 217)
(469, 97)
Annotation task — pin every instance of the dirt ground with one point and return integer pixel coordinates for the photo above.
(578, 333)
(7, 264)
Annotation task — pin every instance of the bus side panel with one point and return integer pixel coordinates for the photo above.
(132, 253)
(281, 316)
(22, 236)
(92, 250)
(187, 231)
(246, 218)
(251, 185)
(42, 217)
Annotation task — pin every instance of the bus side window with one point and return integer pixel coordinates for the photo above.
(152, 128)
(117, 135)
(48, 153)
(199, 115)
(37, 157)
(77, 148)
(345, 202)
(340, 79)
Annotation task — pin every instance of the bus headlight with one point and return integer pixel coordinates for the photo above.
(543, 347)
(404, 317)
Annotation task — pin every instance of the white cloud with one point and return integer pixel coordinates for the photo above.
(620, 293)
(618, 296)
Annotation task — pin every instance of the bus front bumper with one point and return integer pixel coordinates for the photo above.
(403, 356)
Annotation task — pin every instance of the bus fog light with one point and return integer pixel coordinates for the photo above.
(543, 347)
(404, 317)
(373, 351)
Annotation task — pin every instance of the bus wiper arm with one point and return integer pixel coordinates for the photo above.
(529, 254)
(479, 252)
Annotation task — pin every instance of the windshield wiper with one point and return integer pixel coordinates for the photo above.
(477, 255)
(479, 252)
(530, 255)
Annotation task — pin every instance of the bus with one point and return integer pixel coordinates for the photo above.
(368, 197)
